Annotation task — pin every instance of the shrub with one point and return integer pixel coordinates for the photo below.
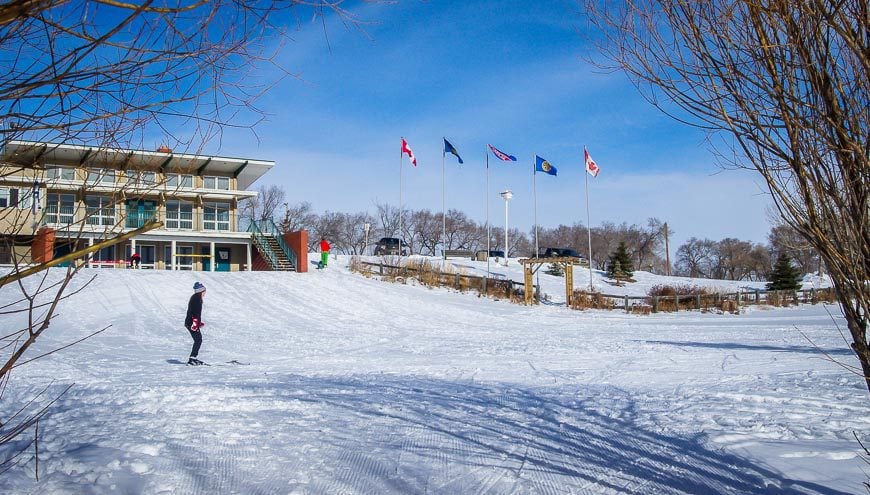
(678, 297)
(582, 299)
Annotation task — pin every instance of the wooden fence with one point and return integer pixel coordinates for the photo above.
(728, 301)
(485, 285)
(513, 290)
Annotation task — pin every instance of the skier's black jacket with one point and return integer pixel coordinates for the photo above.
(194, 310)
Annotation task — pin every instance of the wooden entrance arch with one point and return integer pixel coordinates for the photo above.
(532, 265)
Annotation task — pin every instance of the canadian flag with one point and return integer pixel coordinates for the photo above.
(407, 150)
(591, 166)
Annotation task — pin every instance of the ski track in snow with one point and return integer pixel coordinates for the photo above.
(361, 387)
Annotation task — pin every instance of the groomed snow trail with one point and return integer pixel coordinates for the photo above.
(363, 387)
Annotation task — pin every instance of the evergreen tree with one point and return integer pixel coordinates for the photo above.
(620, 266)
(555, 269)
(784, 276)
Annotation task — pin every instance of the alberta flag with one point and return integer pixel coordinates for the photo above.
(542, 165)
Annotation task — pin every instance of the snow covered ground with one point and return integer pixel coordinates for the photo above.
(363, 387)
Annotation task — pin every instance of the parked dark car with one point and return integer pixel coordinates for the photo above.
(560, 253)
(390, 245)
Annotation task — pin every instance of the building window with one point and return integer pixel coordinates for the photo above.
(60, 208)
(16, 198)
(183, 260)
(101, 176)
(179, 180)
(99, 210)
(58, 172)
(141, 177)
(179, 215)
(104, 255)
(139, 212)
(216, 216)
(221, 183)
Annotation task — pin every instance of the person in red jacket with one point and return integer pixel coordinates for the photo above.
(324, 252)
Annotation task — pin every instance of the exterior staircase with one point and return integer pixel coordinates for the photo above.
(271, 246)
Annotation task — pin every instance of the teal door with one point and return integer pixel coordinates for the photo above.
(223, 260)
(222, 264)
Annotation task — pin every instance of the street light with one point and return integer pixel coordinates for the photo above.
(507, 195)
(367, 226)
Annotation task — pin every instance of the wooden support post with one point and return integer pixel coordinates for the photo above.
(626, 304)
(527, 279)
(569, 284)
(655, 308)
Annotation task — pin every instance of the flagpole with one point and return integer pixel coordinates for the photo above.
(535, 195)
(401, 160)
(488, 231)
(588, 224)
(443, 203)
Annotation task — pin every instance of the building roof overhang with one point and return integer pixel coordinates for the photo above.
(35, 154)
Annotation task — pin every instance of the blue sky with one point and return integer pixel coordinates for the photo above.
(510, 73)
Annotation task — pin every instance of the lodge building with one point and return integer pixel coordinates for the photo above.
(79, 196)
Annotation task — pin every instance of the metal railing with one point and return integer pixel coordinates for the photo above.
(263, 245)
(137, 219)
(179, 220)
(262, 228)
(59, 215)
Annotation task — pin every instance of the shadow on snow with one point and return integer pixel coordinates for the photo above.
(732, 346)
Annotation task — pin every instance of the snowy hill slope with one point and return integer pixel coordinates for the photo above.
(360, 386)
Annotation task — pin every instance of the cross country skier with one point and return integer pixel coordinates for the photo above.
(193, 321)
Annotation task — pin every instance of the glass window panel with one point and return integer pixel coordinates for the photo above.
(101, 176)
(216, 216)
(179, 215)
(58, 172)
(60, 208)
(99, 210)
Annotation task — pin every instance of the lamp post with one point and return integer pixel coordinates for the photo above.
(366, 227)
(286, 225)
(507, 195)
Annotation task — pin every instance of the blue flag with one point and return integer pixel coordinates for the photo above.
(542, 165)
(449, 148)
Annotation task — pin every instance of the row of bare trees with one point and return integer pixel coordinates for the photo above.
(728, 259)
